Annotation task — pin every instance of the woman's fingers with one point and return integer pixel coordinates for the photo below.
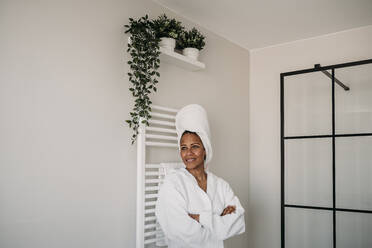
(195, 217)
(228, 210)
(223, 212)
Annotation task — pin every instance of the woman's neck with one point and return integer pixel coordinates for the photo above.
(198, 173)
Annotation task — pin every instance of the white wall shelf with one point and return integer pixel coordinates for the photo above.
(180, 60)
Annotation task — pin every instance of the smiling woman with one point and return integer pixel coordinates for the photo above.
(192, 150)
(193, 156)
(196, 208)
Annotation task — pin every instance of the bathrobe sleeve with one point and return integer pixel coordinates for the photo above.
(174, 220)
(224, 227)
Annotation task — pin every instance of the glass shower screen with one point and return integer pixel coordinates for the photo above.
(326, 156)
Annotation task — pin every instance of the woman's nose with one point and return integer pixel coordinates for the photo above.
(189, 151)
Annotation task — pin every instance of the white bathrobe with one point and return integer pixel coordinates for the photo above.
(180, 195)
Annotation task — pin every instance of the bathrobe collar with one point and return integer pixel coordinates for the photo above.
(210, 181)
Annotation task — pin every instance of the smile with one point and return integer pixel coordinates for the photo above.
(190, 160)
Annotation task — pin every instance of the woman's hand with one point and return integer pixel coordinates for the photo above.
(228, 210)
(195, 217)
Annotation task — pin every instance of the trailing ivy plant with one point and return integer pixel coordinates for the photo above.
(144, 50)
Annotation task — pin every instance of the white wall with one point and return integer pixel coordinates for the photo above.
(67, 169)
(264, 123)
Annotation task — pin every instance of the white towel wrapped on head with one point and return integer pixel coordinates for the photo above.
(194, 118)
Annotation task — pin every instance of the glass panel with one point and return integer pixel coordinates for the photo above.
(354, 172)
(308, 104)
(308, 172)
(353, 230)
(307, 228)
(354, 107)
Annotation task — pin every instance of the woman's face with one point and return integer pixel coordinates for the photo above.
(192, 151)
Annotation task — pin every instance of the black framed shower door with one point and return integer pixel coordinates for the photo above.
(326, 143)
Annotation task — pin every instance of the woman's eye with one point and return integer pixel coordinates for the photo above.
(195, 146)
(183, 148)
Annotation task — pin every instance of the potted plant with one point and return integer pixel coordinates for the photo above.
(191, 42)
(144, 51)
(167, 30)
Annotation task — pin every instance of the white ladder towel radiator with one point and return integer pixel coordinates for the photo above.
(160, 133)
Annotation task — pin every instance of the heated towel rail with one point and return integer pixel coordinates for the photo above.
(161, 132)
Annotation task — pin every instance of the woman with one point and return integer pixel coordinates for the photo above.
(195, 208)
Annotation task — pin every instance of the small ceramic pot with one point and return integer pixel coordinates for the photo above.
(191, 52)
(167, 43)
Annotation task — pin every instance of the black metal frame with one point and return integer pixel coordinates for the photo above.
(334, 209)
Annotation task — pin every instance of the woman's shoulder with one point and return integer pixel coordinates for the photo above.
(220, 182)
(174, 178)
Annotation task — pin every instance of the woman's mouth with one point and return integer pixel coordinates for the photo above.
(189, 160)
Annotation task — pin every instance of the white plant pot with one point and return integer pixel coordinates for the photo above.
(167, 43)
(191, 52)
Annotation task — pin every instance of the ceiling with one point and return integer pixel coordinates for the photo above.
(255, 24)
